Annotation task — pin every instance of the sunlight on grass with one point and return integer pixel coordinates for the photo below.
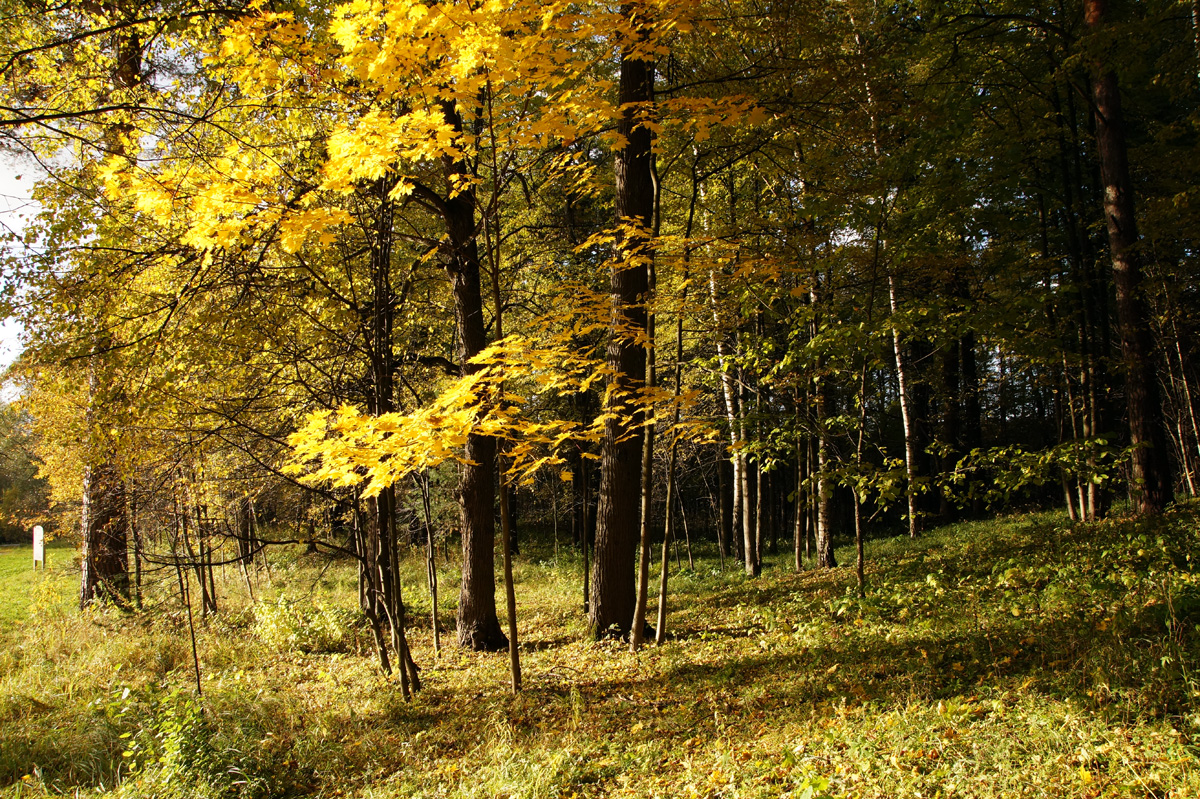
(1019, 657)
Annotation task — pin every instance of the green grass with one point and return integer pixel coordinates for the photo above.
(1016, 657)
(21, 586)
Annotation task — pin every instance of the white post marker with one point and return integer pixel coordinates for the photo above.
(39, 547)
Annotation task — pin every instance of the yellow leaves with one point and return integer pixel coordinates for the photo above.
(375, 145)
(414, 58)
(353, 447)
(374, 89)
(296, 228)
(349, 447)
(403, 47)
(551, 15)
(266, 51)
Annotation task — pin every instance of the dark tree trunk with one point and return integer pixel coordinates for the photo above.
(135, 535)
(514, 543)
(1150, 467)
(972, 428)
(478, 625)
(578, 499)
(724, 503)
(800, 520)
(105, 561)
(617, 525)
(379, 578)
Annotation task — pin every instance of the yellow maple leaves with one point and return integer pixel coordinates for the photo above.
(384, 90)
(375, 145)
(388, 92)
(296, 228)
(349, 447)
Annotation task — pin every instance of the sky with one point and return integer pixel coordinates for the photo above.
(16, 183)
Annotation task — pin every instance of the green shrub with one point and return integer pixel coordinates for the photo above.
(291, 625)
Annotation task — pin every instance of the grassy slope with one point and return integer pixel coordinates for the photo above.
(1019, 657)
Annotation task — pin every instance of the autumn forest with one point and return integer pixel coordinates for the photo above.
(654, 399)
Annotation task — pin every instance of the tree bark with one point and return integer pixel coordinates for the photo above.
(478, 625)
(724, 504)
(951, 427)
(613, 592)
(510, 596)
(431, 576)
(508, 493)
(800, 528)
(660, 627)
(906, 418)
(823, 409)
(824, 543)
(638, 631)
(105, 560)
(1150, 467)
(104, 519)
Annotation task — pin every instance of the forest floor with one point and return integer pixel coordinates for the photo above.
(1023, 656)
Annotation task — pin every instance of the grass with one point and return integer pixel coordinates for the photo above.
(20, 584)
(1016, 657)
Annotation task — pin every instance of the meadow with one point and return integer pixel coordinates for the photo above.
(1022, 656)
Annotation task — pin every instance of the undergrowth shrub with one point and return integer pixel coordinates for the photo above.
(178, 751)
(291, 625)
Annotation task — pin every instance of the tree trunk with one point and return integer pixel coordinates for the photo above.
(724, 504)
(638, 631)
(478, 625)
(824, 543)
(104, 521)
(737, 460)
(508, 493)
(972, 414)
(1150, 467)
(105, 559)
(800, 530)
(749, 488)
(951, 427)
(823, 409)
(906, 417)
(510, 596)
(660, 627)
(1189, 406)
(613, 592)
(422, 481)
